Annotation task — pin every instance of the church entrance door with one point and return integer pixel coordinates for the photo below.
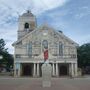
(26, 70)
(63, 70)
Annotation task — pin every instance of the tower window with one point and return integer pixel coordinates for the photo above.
(26, 26)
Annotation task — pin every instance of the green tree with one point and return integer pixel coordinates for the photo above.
(2, 46)
(7, 60)
(84, 55)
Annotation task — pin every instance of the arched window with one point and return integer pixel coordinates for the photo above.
(60, 49)
(29, 49)
(26, 26)
(45, 44)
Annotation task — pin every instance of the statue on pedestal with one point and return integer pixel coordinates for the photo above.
(46, 55)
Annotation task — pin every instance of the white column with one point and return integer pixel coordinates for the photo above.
(76, 69)
(56, 69)
(72, 69)
(17, 69)
(53, 71)
(37, 69)
(34, 70)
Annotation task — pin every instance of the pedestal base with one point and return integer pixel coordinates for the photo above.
(46, 75)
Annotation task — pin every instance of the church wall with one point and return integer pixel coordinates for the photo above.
(20, 50)
(53, 48)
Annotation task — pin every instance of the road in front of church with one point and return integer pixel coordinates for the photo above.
(9, 83)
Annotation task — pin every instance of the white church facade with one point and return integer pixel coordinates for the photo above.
(30, 45)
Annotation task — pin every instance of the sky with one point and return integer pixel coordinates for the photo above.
(70, 16)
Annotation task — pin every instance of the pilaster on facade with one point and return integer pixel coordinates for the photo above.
(53, 69)
(57, 70)
(17, 70)
(34, 70)
(72, 69)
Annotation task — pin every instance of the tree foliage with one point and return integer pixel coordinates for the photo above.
(7, 59)
(2, 46)
(84, 55)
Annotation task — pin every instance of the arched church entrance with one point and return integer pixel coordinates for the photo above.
(26, 70)
(63, 70)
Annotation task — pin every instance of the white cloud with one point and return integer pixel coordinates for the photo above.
(9, 34)
(10, 9)
(37, 6)
(83, 12)
(81, 15)
(43, 5)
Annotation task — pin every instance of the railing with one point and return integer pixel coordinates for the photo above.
(71, 56)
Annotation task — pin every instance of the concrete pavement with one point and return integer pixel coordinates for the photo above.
(9, 83)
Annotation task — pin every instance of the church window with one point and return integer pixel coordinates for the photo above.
(54, 49)
(29, 49)
(60, 49)
(36, 48)
(45, 44)
(26, 26)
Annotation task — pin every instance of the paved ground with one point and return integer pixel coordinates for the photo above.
(8, 83)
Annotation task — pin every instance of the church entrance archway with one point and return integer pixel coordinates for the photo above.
(26, 70)
(63, 70)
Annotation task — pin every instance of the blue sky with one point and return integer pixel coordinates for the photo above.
(70, 16)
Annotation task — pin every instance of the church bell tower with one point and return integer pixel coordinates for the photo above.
(27, 23)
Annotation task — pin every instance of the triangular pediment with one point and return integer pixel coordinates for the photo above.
(45, 31)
